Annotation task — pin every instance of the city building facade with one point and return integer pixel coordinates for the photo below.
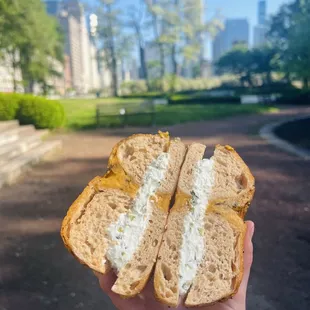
(81, 69)
(236, 31)
(260, 30)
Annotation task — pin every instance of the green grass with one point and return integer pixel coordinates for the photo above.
(81, 114)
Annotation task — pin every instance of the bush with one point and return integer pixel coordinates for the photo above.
(150, 95)
(8, 106)
(133, 87)
(179, 99)
(266, 89)
(301, 98)
(40, 112)
(172, 83)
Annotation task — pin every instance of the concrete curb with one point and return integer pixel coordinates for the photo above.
(267, 133)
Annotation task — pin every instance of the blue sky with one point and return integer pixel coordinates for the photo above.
(242, 8)
(228, 9)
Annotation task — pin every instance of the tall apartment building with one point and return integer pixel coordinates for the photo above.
(81, 67)
(262, 12)
(77, 46)
(261, 29)
(236, 31)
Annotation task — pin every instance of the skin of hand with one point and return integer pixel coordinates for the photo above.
(147, 301)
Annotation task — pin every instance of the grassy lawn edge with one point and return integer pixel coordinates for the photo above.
(81, 114)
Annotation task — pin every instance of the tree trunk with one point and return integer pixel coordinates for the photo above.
(14, 66)
(268, 78)
(174, 46)
(160, 45)
(25, 70)
(144, 68)
(32, 86)
(114, 74)
(174, 60)
(306, 83)
(29, 89)
(113, 56)
(162, 60)
(288, 77)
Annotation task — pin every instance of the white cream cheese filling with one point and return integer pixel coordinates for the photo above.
(127, 232)
(192, 249)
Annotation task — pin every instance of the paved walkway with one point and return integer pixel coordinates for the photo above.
(37, 272)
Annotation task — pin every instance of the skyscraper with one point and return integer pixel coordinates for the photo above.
(81, 67)
(71, 16)
(236, 32)
(261, 29)
(262, 10)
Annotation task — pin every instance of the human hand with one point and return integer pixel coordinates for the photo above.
(147, 301)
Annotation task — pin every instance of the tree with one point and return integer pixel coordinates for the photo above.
(195, 31)
(170, 17)
(31, 38)
(289, 33)
(237, 61)
(11, 35)
(183, 30)
(116, 44)
(156, 22)
(264, 60)
(43, 47)
(298, 51)
(137, 22)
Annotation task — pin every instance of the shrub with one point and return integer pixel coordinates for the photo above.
(8, 106)
(179, 99)
(266, 89)
(172, 83)
(133, 87)
(149, 95)
(40, 112)
(302, 98)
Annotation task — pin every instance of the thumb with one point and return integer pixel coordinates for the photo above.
(248, 256)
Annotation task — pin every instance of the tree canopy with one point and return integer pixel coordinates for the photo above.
(246, 62)
(31, 38)
(289, 33)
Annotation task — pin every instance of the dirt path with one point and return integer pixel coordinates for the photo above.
(37, 272)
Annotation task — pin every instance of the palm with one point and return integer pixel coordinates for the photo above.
(147, 301)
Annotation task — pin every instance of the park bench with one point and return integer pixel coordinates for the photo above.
(126, 114)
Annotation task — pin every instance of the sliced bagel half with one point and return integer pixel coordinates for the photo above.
(118, 221)
(201, 255)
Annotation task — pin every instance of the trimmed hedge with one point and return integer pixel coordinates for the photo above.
(302, 98)
(150, 95)
(204, 100)
(27, 109)
(8, 106)
(274, 88)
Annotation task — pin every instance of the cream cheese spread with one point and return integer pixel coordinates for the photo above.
(192, 249)
(127, 232)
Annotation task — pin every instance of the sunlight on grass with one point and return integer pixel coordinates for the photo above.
(81, 113)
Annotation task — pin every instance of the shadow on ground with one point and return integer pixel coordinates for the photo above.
(38, 273)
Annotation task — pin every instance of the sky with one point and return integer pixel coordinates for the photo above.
(241, 8)
(228, 9)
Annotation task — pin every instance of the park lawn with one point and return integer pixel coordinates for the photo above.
(81, 114)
